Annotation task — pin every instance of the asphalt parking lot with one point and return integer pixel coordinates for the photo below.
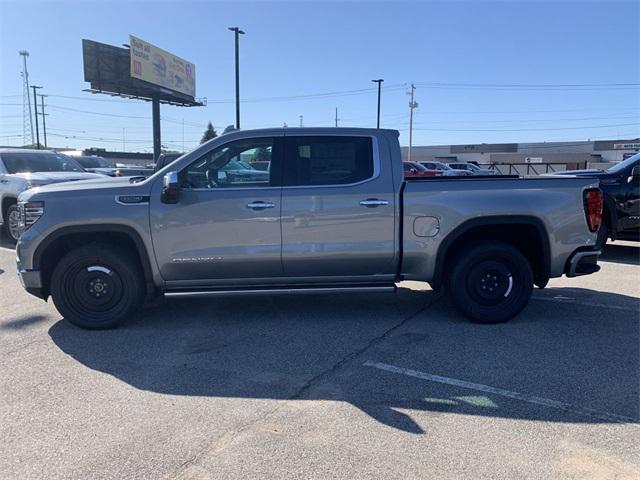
(350, 387)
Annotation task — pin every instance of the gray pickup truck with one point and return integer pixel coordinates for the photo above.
(332, 212)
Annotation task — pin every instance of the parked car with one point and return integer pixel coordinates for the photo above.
(334, 213)
(126, 170)
(22, 169)
(165, 159)
(95, 164)
(415, 169)
(621, 187)
(446, 170)
(474, 169)
(260, 164)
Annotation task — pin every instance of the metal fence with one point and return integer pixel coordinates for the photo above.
(528, 169)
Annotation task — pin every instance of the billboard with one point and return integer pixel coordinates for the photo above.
(159, 67)
(108, 69)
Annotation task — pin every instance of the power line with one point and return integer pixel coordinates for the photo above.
(526, 129)
(530, 86)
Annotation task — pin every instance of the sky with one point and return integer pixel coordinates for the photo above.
(507, 71)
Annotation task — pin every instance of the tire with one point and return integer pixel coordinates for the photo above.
(97, 286)
(490, 283)
(10, 220)
(603, 234)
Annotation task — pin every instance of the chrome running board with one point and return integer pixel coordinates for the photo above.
(386, 288)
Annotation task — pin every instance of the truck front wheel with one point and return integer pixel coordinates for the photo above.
(490, 282)
(97, 286)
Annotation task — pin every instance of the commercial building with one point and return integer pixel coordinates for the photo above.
(552, 155)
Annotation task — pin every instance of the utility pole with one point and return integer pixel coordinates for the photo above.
(35, 110)
(301, 124)
(379, 82)
(44, 121)
(183, 135)
(237, 33)
(27, 123)
(412, 105)
(336, 117)
(123, 141)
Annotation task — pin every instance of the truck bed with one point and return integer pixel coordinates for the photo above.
(433, 209)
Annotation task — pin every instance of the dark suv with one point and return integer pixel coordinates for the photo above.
(621, 187)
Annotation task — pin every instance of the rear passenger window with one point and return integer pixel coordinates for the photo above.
(327, 160)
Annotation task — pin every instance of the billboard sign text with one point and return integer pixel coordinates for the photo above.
(157, 66)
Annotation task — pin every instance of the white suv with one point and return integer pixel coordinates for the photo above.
(22, 169)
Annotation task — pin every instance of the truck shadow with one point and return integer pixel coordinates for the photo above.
(309, 348)
(617, 253)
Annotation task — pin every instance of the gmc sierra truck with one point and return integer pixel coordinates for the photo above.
(332, 212)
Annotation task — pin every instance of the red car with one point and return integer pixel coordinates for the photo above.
(414, 169)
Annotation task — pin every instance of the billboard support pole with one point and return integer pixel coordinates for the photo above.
(237, 33)
(155, 105)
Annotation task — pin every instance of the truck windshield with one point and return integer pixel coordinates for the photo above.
(25, 162)
(95, 162)
(619, 167)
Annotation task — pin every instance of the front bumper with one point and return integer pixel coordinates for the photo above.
(583, 261)
(31, 280)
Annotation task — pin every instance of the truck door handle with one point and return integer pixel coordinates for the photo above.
(373, 202)
(260, 205)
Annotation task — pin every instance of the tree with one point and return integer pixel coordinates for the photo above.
(209, 133)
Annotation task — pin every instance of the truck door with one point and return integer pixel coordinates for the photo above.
(226, 224)
(338, 211)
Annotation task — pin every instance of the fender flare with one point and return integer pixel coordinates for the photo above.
(130, 232)
(612, 215)
(496, 220)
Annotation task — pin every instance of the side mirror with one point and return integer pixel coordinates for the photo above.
(170, 188)
(635, 174)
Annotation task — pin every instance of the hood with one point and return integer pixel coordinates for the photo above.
(106, 170)
(45, 178)
(95, 182)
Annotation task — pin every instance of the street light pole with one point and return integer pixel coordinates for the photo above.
(412, 105)
(237, 33)
(379, 82)
(35, 111)
(44, 121)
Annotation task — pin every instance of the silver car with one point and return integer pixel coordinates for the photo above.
(22, 169)
(472, 168)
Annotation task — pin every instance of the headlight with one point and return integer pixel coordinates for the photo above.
(30, 212)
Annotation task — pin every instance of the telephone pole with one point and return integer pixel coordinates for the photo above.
(35, 111)
(379, 82)
(44, 121)
(27, 123)
(301, 124)
(237, 33)
(336, 117)
(412, 105)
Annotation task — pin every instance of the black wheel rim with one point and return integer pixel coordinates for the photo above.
(94, 291)
(490, 282)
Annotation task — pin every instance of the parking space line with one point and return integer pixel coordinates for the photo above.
(585, 304)
(545, 402)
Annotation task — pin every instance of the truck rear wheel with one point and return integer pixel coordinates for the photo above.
(491, 283)
(97, 286)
